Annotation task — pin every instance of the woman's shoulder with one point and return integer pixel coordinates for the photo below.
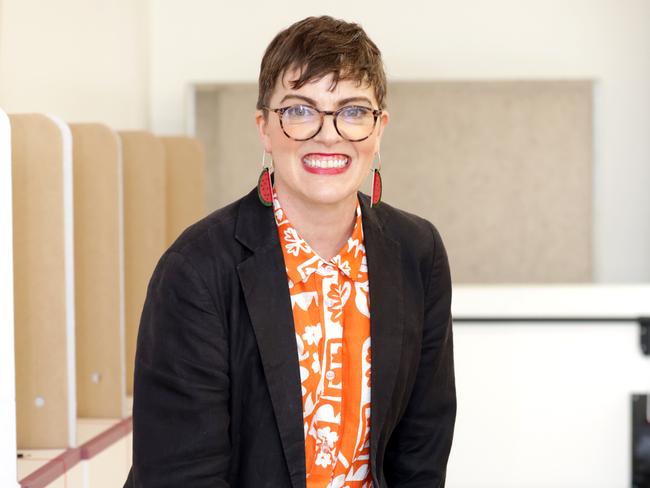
(409, 229)
(211, 239)
(421, 246)
(220, 222)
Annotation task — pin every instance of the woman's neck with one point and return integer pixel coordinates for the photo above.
(325, 227)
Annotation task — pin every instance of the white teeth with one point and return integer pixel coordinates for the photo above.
(325, 162)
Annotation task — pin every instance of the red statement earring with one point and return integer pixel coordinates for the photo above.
(375, 196)
(264, 184)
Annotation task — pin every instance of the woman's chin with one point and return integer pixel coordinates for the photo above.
(330, 194)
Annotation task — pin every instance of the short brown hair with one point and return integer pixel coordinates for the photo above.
(319, 46)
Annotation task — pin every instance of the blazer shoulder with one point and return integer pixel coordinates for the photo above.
(419, 240)
(410, 230)
(210, 237)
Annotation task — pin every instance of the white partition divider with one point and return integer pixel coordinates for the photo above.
(8, 475)
(575, 300)
(545, 377)
(68, 237)
(126, 400)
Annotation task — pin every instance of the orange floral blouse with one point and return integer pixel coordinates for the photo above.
(331, 316)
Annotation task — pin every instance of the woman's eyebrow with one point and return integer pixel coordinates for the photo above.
(340, 103)
(345, 101)
(310, 101)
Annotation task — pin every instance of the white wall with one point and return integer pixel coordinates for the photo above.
(84, 61)
(605, 40)
(544, 405)
(128, 63)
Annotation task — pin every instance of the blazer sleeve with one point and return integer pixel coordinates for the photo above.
(418, 450)
(181, 385)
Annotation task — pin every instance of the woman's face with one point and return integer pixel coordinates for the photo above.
(303, 169)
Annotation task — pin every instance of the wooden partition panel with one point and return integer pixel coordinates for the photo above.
(185, 160)
(99, 281)
(143, 158)
(43, 282)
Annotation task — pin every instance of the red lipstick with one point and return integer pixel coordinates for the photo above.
(326, 163)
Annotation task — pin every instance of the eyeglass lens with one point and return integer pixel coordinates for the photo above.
(303, 122)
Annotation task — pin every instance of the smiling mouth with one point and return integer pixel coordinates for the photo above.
(326, 161)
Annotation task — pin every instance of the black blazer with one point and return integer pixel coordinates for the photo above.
(217, 399)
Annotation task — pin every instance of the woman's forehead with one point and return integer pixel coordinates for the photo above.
(322, 90)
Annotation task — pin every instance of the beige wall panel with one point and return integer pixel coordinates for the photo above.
(503, 169)
(110, 468)
(143, 159)
(39, 283)
(225, 124)
(185, 163)
(98, 271)
(73, 478)
(129, 449)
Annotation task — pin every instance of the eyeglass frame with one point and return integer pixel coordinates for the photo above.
(334, 113)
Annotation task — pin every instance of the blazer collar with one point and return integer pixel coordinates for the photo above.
(256, 227)
(269, 307)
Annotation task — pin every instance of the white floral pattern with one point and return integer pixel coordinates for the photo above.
(293, 243)
(312, 334)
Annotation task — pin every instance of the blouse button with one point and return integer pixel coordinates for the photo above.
(329, 375)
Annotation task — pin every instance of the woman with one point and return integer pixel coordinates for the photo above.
(301, 336)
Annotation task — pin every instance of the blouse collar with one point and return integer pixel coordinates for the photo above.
(301, 261)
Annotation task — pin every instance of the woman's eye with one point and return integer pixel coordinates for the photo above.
(354, 112)
(300, 111)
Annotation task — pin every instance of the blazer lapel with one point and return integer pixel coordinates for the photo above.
(264, 282)
(386, 319)
(263, 278)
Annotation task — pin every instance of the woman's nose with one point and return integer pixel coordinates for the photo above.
(328, 133)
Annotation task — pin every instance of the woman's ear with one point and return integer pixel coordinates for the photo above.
(262, 122)
(381, 123)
